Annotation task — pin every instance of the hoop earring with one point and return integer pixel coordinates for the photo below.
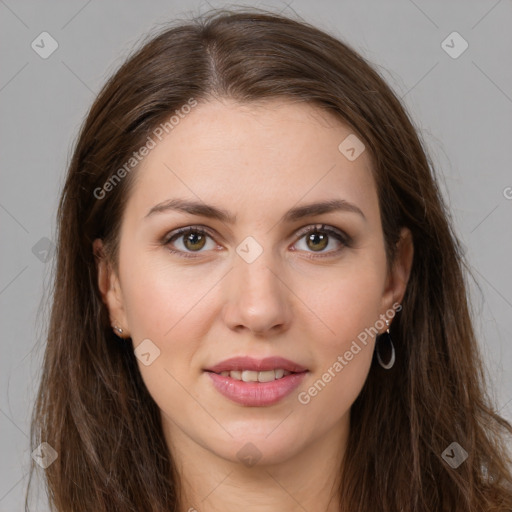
(385, 337)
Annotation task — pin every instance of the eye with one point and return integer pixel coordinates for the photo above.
(191, 239)
(317, 238)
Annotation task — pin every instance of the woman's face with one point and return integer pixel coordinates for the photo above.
(252, 283)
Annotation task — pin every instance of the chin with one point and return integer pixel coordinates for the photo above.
(252, 449)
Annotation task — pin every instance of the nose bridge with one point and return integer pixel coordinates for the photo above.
(258, 276)
(257, 299)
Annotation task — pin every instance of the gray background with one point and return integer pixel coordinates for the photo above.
(462, 106)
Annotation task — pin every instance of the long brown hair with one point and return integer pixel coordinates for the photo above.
(93, 407)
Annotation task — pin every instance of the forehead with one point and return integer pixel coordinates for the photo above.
(253, 157)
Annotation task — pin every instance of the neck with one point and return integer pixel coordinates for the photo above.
(308, 480)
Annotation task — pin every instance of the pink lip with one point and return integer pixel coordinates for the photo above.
(257, 365)
(256, 394)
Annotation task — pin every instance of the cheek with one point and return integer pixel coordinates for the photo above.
(172, 307)
(153, 304)
(351, 302)
(349, 306)
(166, 305)
(161, 298)
(343, 360)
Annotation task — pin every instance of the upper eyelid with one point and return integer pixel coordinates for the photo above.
(183, 231)
(319, 227)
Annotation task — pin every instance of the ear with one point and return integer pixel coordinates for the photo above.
(109, 287)
(398, 277)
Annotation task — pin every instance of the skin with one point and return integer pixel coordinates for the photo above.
(256, 161)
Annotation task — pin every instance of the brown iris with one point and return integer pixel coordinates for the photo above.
(194, 241)
(317, 237)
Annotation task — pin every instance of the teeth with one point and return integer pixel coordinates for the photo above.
(279, 373)
(252, 376)
(249, 376)
(267, 376)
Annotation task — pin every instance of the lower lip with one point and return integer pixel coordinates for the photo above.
(256, 394)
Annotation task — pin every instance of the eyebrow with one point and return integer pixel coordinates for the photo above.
(213, 212)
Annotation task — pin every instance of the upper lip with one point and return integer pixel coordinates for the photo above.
(259, 365)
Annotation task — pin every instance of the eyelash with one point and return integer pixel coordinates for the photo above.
(343, 238)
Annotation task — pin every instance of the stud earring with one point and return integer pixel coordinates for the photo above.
(383, 340)
(118, 329)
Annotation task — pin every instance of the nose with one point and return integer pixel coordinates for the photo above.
(257, 297)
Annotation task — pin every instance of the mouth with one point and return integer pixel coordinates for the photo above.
(256, 383)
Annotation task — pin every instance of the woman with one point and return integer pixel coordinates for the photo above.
(259, 300)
